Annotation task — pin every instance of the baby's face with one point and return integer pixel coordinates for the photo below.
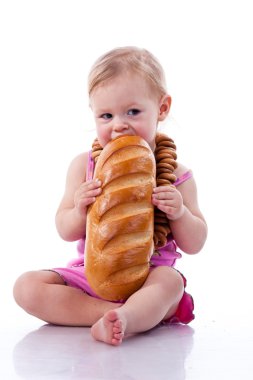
(125, 105)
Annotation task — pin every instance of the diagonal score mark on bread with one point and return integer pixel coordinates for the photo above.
(127, 219)
(125, 189)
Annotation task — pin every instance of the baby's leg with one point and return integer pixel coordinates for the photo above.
(156, 300)
(44, 295)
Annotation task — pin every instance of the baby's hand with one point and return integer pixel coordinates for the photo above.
(169, 200)
(86, 194)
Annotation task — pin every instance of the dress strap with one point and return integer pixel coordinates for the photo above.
(187, 175)
(90, 167)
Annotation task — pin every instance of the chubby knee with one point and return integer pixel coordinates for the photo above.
(30, 289)
(23, 290)
(171, 280)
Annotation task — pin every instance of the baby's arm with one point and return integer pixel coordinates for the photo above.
(79, 194)
(180, 204)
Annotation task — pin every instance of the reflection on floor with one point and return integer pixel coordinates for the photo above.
(167, 352)
(51, 351)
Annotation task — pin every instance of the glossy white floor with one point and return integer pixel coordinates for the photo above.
(208, 349)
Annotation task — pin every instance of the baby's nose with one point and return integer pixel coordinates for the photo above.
(120, 124)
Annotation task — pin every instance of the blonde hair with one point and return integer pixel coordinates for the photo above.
(128, 59)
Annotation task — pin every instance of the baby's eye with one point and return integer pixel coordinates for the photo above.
(133, 112)
(106, 116)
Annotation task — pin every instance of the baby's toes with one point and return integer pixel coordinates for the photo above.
(118, 324)
(118, 337)
(116, 330)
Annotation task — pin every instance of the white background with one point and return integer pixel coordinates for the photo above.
(47, 48)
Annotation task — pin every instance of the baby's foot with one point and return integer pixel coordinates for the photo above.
(110, 328)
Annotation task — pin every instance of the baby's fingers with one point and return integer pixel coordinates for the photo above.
(90, 185)
(163, 194)
(92, 193)
(162, 189)
(87, 193)
(83, 203)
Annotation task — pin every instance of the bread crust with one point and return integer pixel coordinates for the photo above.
(120, 223)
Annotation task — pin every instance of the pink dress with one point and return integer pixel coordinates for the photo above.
(74, 274)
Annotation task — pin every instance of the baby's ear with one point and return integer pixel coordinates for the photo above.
(164, 106)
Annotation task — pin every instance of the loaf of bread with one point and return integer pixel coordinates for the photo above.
(120, 223)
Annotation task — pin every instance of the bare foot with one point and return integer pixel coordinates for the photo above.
(110, 328)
